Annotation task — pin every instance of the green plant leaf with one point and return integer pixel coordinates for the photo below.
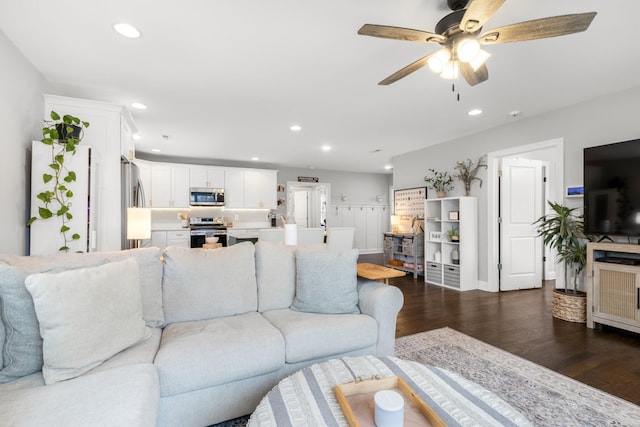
(54, 115)
(72, 175)
(31, 220)
(63, 210)
(64, 248)
(44, 213)
(53, 134)
(69, 216)
(70, 146)
(64, 229)
(46, 177)
(76, 236)
(62, 187)
(86, 124)
(69, 194)
(47, 141)
(59, 158)
(54, 166)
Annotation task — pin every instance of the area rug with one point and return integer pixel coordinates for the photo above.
(544, 396)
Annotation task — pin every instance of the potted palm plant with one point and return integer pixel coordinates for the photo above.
(563, 231)
(439, 181)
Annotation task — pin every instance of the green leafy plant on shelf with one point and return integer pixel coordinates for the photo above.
(62, 134)
(439, 181)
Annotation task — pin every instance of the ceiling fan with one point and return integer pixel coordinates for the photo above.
(459, 35)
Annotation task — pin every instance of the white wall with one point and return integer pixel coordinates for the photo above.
(21, 107)
(600, 121)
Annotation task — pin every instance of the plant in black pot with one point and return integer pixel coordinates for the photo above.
(62, 134)
(563, 231)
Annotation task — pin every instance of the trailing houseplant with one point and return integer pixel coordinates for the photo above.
(62, 134)
(467, 172)
(439, 181)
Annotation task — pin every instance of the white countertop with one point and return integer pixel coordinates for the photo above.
(252, 225)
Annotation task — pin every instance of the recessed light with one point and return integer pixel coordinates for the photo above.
(255, 159)
(155, 150)
(136, 136)
(326, 148)
(475, 112)
(127, 30)
(515, 113)
(139, 106)
(296, 128)
(388, 167)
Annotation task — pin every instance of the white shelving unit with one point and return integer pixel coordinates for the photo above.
(440, 216)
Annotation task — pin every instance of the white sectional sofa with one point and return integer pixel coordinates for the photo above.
(184, 337)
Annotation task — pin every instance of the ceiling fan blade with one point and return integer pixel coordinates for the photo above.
(539, 28)
(474, 77)
(415, 66)
(398, 33)
(479, 12)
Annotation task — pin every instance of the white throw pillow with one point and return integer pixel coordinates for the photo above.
(86, 316)
(326, 281)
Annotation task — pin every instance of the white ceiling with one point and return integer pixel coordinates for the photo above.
(226, 79)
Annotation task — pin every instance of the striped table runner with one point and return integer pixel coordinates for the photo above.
(306, 398)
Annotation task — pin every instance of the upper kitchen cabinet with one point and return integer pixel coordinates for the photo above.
(110, 135)
(169, 186)
(251, 188)
(206, 177)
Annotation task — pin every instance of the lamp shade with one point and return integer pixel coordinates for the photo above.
(138, 223)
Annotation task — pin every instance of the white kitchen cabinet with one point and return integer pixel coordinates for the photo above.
(206, 177)
(234, 188)
(169, 186)
(441, 266)
(163, 238)
(251, 188)
(110, 136)
(179, 238)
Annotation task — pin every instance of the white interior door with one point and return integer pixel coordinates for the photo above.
(302, 208)
(521, 204)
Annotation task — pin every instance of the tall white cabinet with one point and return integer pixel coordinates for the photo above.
(110, 137)
(441, 266)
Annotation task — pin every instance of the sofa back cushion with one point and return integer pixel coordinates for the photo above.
(199, 284)
(276, 275)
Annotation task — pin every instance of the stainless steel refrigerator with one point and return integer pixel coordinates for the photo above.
(132, 195)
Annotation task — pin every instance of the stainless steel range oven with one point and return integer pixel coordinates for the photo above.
(202, 228)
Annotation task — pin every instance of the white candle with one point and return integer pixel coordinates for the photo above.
(290, 234)
(389, 409)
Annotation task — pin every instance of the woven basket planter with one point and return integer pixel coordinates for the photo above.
(569, 307)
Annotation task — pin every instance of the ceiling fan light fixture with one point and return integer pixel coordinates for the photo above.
(438, 60)
(467, 49)
(479, 60)
(451, 70)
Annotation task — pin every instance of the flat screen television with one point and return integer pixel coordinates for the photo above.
(612, 189)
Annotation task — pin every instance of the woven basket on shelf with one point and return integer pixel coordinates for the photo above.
(569, 307)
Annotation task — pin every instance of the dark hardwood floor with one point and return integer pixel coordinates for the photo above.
(520, 322)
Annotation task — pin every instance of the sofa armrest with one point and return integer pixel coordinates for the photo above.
(382, 302)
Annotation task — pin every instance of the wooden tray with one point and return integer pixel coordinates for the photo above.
(356, 402)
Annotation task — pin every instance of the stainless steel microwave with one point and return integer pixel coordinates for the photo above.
(206, 197)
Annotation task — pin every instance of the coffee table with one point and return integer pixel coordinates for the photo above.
(378, 272)
(307, 398)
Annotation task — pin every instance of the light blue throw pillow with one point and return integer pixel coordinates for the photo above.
(326, 281)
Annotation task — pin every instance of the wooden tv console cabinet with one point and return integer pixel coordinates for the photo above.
(613, 287)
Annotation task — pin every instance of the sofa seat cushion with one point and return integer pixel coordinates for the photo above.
(310, 336)
(207, 353)
(126, 396)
